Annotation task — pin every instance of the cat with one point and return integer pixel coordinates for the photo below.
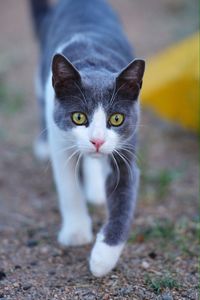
(88, 86)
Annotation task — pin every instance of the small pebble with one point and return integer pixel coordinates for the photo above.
(17, 267)
(124, 291)
(16, 284)
(152, 255)
(33, 263)
(26, 287)
(167, 297)
(44, 250)
(51, 273)
(2, 275)
(56, 254)
(145, 265)
(32, 243)
(106, 297)
(114, 276)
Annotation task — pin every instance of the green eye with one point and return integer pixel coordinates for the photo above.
(79, 118)
(116, 119)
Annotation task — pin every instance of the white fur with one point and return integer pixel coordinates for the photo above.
(97, 128)
(104, 257)
(95, 174)
(40, 147)
(76, 224)
(95, 165)
(41, 150)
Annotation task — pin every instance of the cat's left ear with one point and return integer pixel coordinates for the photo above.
(130, 78)
(63, 72)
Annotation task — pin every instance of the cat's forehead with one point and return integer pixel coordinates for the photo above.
(98, 85)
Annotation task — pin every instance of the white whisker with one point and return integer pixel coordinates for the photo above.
(41, 132)
(84, 99)
(77, 169)
(125, 160)
(70, 157)
(131, 150)
(115, 94)
(65, 149)
(118, 174)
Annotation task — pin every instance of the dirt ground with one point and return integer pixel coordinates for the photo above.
(160, 259)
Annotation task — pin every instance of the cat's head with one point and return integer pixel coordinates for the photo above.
(98, 110)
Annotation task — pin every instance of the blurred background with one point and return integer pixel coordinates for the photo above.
(161, 257)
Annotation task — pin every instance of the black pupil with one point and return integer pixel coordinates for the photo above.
(79, 117)
(116, 118)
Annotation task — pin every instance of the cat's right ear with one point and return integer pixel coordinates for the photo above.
(63, 72)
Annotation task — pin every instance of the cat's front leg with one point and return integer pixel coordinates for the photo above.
(76, 224)
(111, 239)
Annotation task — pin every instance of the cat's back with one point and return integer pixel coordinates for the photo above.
(83, 27)
(88, 17)
(79, 15)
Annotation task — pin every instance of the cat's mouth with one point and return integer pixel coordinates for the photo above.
(96, 154)
(101, 152)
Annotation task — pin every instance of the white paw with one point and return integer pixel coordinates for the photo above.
(104, 257)
(41, 150)
(75, 236)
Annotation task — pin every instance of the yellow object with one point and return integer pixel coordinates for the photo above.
(171, 83)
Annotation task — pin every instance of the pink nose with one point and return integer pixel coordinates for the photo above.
(97, 143)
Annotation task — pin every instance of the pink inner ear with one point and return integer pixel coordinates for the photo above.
(63, 69)
(133, 72)
(53, 82)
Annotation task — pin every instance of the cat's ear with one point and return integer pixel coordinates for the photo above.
(130, 78)
(64, 73)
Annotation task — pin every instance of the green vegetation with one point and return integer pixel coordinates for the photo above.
(159, 180)
(157, 284)
(181, 234)
(11, 101)
(163, 229)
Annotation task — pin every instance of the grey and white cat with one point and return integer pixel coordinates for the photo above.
(88, 87)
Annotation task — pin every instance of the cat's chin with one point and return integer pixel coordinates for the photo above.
(97, 154)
